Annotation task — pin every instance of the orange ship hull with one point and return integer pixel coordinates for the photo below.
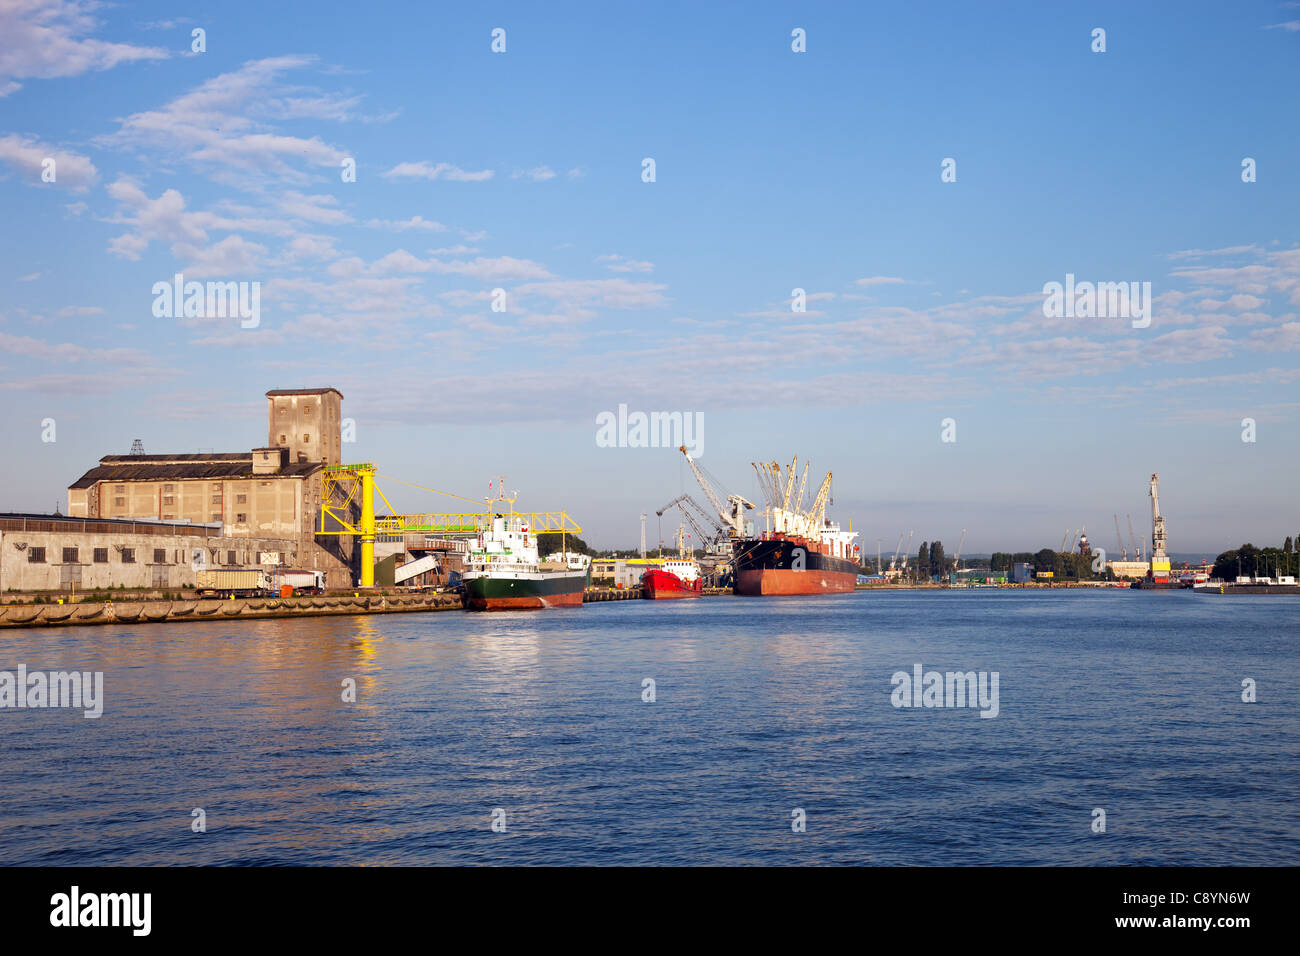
(778, 581)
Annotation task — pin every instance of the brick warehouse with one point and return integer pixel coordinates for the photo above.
(136, 520)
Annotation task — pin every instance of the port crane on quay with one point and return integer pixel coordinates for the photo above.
(348, 508)
(731, 515)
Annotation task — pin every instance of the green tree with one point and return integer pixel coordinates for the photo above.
(938, 562)
(549, 542)
(923, 560)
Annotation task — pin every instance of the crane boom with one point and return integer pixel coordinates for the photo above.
(789, 483)
(1119, 540)
(733, 518)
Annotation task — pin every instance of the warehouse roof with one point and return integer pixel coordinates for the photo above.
(128, 468)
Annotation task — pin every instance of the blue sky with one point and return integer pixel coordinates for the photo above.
(775, 170)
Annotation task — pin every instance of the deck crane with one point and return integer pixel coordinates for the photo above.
(1119, 540)
(803, 486)
(789, 483)
(817, 510)
(732, 514)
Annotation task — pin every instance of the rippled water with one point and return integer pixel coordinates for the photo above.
(1128, 701)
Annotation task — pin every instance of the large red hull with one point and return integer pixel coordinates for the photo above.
(661, 585)
(777, 581)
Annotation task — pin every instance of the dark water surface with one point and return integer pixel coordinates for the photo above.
(1127, 701)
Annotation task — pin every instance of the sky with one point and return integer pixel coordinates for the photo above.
(774, 170)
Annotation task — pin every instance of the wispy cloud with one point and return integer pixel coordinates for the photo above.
(31, 157)
(45, 39)
(433, 171)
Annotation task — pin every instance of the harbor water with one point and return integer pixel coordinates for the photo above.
(540, 721)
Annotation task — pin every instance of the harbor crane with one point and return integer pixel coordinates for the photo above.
(956, 561)
(1119, 540)
(707, 530)
(893, 562)
(1137, 552)
(732, 514)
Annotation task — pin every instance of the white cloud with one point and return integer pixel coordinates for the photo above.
(432, 171)
(168, 220)
(317, 208)
(877, 280)
(617, 263)
(221, 125)
(538, 175)
(28, 154)
(405, 225)
(45, 39)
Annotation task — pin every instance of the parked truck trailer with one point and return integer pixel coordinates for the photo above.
(234, 582)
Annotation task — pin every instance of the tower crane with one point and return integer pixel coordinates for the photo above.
(1137, 552)
(1119, 540)
(732, 514)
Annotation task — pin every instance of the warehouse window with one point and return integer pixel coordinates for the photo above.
(283, 439)
(306, 408)
(167, 488)
(35, 555)
(241, 518)
(230, 557)
(120, 488)
(216, 499)
(169, 517)
(69, 555)
(119, 502)
(306, 438)
(169, 500)
(216, 519)
(241, 499)
(159, 556)
(128, 555)
(101, 555)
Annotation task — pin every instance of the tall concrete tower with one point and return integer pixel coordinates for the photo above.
(308, 422)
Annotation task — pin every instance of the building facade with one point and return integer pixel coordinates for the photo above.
(267, 494)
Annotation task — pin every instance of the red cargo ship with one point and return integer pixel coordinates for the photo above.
(675, 579)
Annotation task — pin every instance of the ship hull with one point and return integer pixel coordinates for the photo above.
(663, 585)
(789, 566)
(524, 592)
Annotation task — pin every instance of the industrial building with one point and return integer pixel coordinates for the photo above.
(149, 521)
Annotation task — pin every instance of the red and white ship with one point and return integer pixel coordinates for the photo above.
(801, 551)
(674, 578)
